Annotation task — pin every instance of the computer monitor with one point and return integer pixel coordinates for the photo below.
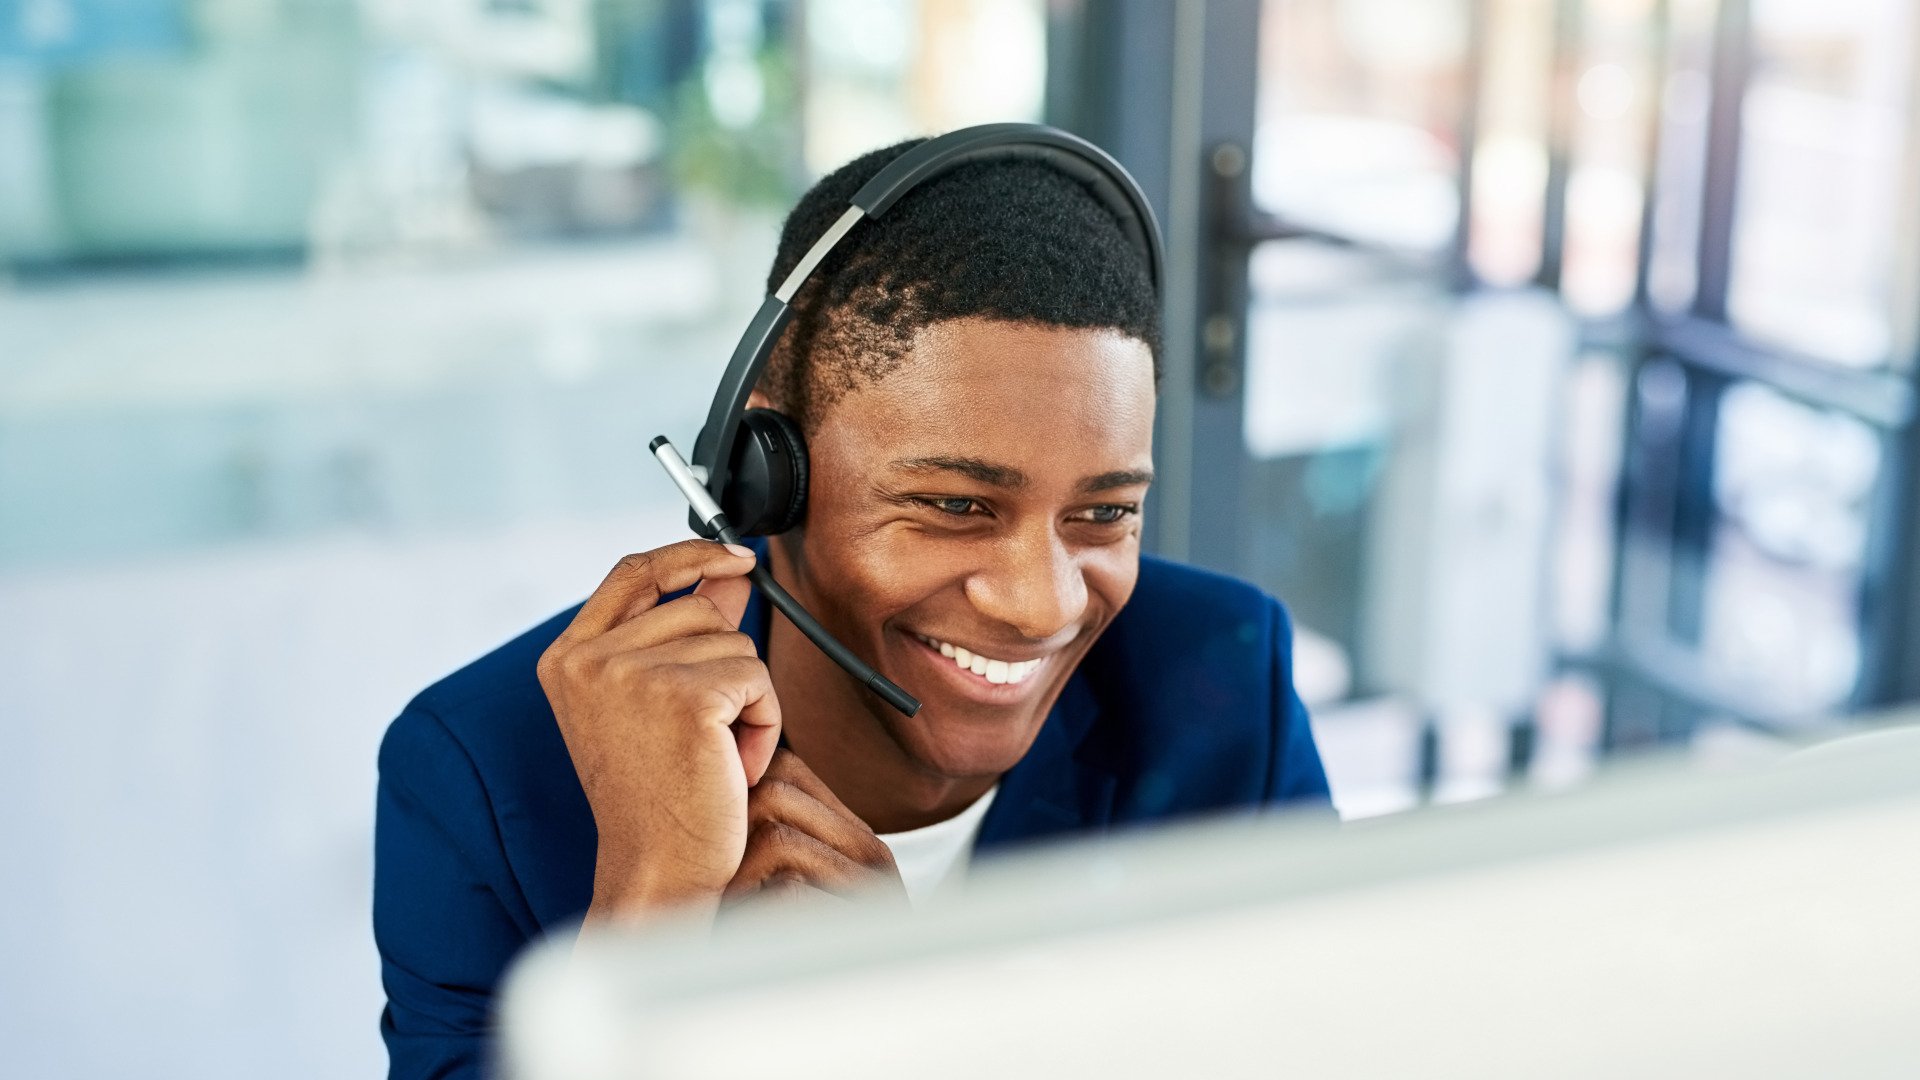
(1659, 922)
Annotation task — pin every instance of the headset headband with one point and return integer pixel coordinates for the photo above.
(1078, 158)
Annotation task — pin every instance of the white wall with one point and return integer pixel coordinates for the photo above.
(186, 798)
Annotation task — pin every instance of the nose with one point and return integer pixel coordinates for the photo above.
(1034, 584)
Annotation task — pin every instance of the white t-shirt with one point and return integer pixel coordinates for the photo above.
(933, 858)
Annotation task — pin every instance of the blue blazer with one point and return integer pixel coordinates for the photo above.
(484, 838)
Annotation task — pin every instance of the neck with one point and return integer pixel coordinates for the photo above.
(838, 729)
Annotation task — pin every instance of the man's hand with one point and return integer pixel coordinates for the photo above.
(801, 840)
(669, 716)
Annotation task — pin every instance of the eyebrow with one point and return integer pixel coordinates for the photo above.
(1006, 476)
(1118, 478)
(1003, 476)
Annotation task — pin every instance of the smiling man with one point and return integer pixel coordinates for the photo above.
(975, 377)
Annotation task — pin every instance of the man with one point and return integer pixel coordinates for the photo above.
(975, 377)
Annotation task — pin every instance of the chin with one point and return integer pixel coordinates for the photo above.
(971, 724)
(950, 744)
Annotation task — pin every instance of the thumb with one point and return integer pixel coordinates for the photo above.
(728, 594)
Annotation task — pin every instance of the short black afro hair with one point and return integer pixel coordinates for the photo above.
(1013, 240)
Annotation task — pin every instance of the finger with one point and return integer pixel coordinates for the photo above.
(790, 767)
(757, 735)
(686, 564)
(735, 690)
(781, 800)
(777, 851)
(757, 743)
(638, 581)
(688, 617)
(728, 594)
(779, 889)
(694, 648)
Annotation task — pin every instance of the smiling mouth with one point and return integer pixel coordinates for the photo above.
(997, 672)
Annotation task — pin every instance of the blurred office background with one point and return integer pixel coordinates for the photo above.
(1551, 358)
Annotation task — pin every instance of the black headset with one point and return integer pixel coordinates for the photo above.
(752, 463)
(761, 479)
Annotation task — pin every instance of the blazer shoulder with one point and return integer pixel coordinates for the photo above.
(1195, 684)
(1184, 624)
(502, 679)
(1184, 593)
(488, 727)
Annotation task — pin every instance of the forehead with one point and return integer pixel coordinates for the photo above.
(1021, 394)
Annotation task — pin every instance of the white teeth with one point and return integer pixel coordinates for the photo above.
(998, 672)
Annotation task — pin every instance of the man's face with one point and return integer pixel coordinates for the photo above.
(985, 496)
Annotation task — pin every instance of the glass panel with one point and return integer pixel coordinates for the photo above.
(1673, 264)
(1614, 114)
(879, 73)
(1593, 419)
(1359, 117)
(1826, 124)
(1650, 477)
(1510, 153)
(1334, 364)
(1371, 751)
(1327, 337)
(1792, 487)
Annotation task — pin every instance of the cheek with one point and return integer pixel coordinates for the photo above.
(852, 563)
(1111, 574)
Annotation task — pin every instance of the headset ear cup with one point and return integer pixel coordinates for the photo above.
(795, 508)
(768, 490)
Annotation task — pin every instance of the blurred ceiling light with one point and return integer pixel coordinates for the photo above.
(1606, 92)
(1603, 218)
(620, 137)
(1801, 17)
(862, 34)
(1005, 37)
(734, 24)
(1509, 171)
(1409, 33)
(735, 91)
(46, 23)
(1620, 11)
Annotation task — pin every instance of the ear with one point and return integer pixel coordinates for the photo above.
(758, 399)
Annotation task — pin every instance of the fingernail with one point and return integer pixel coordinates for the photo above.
(743, 552)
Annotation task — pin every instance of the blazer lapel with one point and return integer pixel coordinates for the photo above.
(1055, 788)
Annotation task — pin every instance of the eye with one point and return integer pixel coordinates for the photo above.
(1110, 513)
(954, 505)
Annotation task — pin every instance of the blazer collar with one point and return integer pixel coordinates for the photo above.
(1058, 787)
